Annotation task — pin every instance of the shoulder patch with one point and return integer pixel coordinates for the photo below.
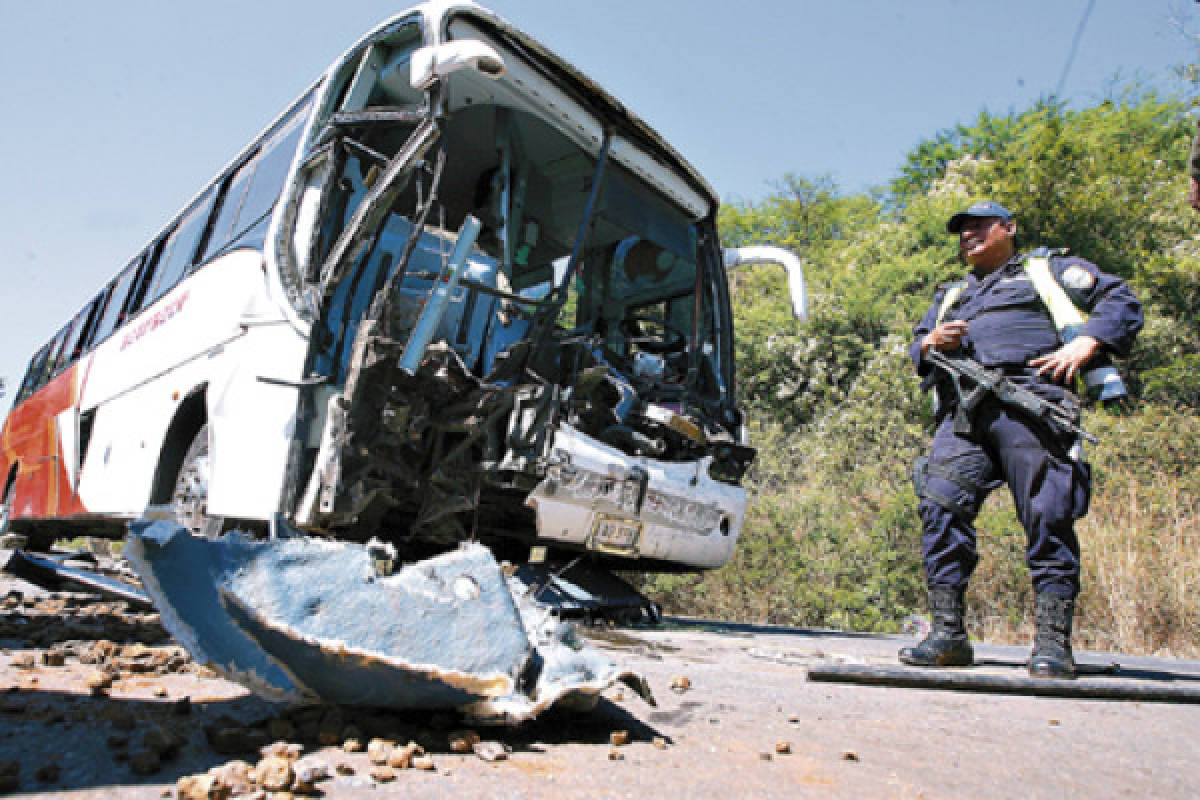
(1078, 278)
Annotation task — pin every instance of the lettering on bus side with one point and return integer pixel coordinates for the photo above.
(154, 321)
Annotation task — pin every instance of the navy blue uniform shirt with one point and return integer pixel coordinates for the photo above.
(1008, 324)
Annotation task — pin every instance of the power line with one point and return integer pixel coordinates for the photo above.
(1087, 12)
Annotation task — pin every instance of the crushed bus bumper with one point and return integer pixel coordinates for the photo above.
(299, 619)
(600, 499)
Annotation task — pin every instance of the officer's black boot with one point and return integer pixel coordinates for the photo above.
(1052, 657)
(947, 644)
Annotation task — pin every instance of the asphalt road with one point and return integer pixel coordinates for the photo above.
(749, 723)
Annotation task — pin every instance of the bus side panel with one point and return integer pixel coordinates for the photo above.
(189, 340)
(30, 438)
(252, 422)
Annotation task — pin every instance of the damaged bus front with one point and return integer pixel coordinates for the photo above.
(521, 331)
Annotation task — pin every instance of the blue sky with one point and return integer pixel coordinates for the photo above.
(117, 113)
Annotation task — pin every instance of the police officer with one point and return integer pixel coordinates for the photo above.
(998, 316)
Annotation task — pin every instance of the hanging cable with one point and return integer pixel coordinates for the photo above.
(1062, 79)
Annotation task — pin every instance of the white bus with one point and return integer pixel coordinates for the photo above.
(301, 343)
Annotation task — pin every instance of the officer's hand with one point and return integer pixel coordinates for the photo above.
(1066, 361)
(945, 337)
(1194, 195)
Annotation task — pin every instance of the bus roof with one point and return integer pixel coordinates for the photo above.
(436, 16)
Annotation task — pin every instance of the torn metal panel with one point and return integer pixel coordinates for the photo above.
(52, 573)
(300, 619)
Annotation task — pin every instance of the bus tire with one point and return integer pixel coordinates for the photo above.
(189, 496)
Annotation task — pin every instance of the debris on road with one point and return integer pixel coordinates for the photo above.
(681, 683)
(300, 619)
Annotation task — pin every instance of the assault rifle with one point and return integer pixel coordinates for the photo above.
(983, 381)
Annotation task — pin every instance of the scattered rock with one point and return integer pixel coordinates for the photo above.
(424, 762)
(308, 774)
(680, 683)
(402, 757)
(343, 768)
(382, 773)
(463, 741)
(618, 738)
(238, 775)
(285, 750)
(490, 750)
(275, 774)
(379, 750)
(353, 745)
(764, 756)
(615, 755)
(24, 661)
(203, 787)
(783, 748)
(97, 682)
(849, 755)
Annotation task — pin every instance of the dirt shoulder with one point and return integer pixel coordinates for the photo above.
(97, 701)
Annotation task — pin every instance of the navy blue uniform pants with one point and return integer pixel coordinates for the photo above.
(1050, 491)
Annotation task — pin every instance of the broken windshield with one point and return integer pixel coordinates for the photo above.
(633, 290)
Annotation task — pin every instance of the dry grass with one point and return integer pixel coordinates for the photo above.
(1141, 574)
(1142, 571)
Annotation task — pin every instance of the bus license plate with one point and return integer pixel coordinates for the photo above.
(616, 536)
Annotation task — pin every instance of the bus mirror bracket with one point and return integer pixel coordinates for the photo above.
(436, 62)
(738, 257)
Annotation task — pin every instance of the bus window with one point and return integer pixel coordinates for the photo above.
(81, 337)
(255, 185)
(33, 375)
(145, 277)
(181, 244)
(270, 168)
(113, 312)
(56, 361)
(231, 205)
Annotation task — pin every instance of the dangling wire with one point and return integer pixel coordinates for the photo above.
(1062, 80)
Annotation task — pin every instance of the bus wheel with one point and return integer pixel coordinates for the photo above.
(189, 499)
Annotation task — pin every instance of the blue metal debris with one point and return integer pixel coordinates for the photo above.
(301, 619)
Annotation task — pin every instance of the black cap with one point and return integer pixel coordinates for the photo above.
(986, 208)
